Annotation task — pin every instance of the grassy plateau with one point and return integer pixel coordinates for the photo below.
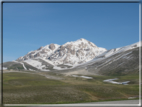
(40, 88)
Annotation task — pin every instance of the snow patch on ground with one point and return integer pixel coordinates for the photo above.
(4, 68)
(31, 70)
(114, 82)
(86, 77)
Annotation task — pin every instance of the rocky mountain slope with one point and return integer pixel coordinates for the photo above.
(53, 56)
(76, 52)
(119, 61)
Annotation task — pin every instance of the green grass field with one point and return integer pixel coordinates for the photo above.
(26, 88)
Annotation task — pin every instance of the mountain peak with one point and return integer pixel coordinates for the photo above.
(82, 39)
(73, 52)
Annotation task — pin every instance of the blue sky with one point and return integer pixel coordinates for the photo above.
(27, 26)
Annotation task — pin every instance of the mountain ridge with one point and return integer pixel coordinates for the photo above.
(73, 52)
(96, 64)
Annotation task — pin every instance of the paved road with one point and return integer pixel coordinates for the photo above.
(124, 103)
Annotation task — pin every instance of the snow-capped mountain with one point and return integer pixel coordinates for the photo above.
(78, 54)
(71, 53)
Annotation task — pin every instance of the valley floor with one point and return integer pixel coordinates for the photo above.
(27, 87)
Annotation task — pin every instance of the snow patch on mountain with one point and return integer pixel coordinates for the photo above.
(33, 62)
(46, 60)
(23, 66)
